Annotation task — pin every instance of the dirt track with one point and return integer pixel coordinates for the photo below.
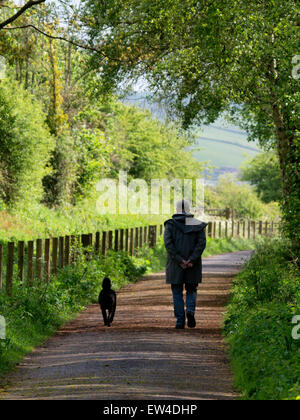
(141, 356)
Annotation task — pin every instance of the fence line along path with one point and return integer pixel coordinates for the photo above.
(40, 259)
(142, 356)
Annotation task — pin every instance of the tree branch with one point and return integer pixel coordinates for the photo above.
(23, 9)
(61, 38)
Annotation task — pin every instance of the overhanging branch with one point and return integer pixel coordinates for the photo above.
(20, 12)
(61, 38)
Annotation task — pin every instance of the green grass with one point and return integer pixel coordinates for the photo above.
(230, 150)
(224, 245)
(258, 326)
(38, 221)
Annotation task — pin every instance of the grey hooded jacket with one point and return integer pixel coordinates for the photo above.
(184, 239)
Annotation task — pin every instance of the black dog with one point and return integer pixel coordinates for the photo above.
(107, 302)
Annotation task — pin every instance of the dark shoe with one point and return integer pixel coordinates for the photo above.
(179, 327)
(191, 320)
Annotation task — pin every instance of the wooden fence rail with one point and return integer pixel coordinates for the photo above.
(39, 259)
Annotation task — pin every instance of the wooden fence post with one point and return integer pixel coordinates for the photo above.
(145, 234)
(97, 243)
(39, 259)
(141, 238)
(238, 228)
(254, 230)
(86, 241)
(155, 235)
(244, 229)
(73, 249)
(122, 240)
(260, 229)
(226, 229)
(110, 240)
(10, 267)
(220, 229)
(152, 236)
(209, 229)
(214, 229)
(54, 255)
(30, 274)
(1, 262)
(232, 229)
(21, 255)
(131, 241)
(67, 250)
(249, 229)
(47, 260)
(61, 252)
(266, 229)
(116, 240)
(104, 240)
(136, 242)
(127, 240)
(228, 213)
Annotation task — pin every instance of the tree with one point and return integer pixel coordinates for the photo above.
(25, 145)
(140, 144)
(208, 56)
(263, 172)
(243, 199)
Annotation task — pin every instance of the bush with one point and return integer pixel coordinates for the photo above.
(266, 296)
(242, 198)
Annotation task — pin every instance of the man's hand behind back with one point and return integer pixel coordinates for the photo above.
(186, 264)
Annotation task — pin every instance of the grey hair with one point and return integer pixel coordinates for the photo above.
(183, 206)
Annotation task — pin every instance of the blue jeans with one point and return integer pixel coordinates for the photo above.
(191, 298)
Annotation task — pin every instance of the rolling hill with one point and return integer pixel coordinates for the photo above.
(222, 145)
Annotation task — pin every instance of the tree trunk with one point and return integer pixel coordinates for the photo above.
(289, 156)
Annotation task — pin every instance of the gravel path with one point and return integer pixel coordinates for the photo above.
(141, 356)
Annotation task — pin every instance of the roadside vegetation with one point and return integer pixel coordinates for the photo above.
(266, 297)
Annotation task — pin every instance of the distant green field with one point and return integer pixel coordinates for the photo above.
(224, 146)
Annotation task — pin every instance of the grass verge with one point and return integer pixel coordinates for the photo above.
(264, 348)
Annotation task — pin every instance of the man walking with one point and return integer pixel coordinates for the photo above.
(185, 241)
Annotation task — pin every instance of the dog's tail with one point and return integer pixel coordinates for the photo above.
(106, 284)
